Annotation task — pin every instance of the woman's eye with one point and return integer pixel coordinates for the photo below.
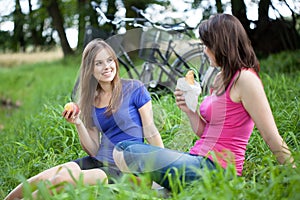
(98, 63)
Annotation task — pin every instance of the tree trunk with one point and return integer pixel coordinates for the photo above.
(18, 36)
(35, 35)
(87, 16)
(239, 10)
(263, 10)
(219, 6)
(81, 7)
(272, 36)
(58, 24)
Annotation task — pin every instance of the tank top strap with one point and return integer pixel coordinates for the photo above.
(233, 79)
(237, 73)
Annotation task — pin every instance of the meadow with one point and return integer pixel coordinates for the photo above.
(35, 137)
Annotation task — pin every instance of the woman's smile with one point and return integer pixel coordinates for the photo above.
(107, 73)
(105, 67)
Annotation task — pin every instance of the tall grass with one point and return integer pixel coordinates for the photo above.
(35, 136)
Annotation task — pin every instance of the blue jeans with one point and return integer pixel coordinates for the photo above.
(165, 166)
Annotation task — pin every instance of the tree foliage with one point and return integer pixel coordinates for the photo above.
(47, 20)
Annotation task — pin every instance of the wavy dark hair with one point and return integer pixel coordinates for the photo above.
(225, 36)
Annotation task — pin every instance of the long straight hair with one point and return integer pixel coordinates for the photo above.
(89, 87)
(225, 36)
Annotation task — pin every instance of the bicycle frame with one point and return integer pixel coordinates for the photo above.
(158, 58)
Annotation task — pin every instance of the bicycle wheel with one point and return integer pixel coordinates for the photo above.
(197, 60)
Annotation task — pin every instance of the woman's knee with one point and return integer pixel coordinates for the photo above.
(67, 172)
(59, 178)
(71, 166)
(93, 176)
(119, 159)
(118, 154)
(134, 155)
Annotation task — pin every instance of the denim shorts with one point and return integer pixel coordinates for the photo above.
(163, 164)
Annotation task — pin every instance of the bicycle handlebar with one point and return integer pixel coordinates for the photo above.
(181, 27)
(99, 11)
(141, 12)
(166, 27)
(115, 21)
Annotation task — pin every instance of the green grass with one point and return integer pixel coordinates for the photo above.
(35, 137)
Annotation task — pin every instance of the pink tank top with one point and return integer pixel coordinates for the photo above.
(227, 131)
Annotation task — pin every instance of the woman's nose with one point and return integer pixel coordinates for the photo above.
(108, 64)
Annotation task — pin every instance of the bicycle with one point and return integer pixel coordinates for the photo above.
(162, 65)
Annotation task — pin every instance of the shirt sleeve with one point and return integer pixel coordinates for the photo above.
(140, 95)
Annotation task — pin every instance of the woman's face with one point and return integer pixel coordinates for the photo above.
(211, 56)
(104, 67)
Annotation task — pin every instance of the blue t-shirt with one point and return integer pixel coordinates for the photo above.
(125, 124)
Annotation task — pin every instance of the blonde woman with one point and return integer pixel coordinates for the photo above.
(111, 110)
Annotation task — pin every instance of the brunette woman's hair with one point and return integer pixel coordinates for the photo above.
(225, 36)
(89, 87)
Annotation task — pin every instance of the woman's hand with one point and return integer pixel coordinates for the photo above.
(196, 121)
(71, 117)
(89, 138)
(180, 100)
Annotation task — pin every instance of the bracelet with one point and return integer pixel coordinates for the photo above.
(78, 124)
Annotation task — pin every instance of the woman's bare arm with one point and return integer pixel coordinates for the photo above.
(151, 133)
(253, 97)
(89, 138)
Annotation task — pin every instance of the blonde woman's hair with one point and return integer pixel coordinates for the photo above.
(89, 86)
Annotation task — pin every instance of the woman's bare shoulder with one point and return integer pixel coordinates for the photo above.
(248, 77)
(249, 84)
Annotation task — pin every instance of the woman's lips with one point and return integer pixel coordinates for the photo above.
(107, 73)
